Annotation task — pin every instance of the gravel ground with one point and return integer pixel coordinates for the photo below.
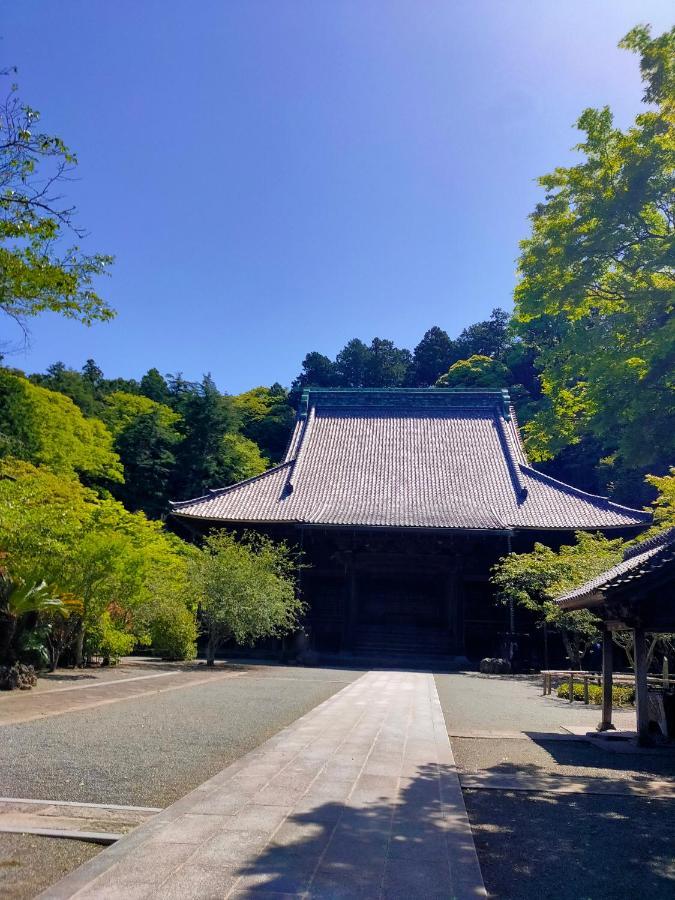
(573, 848)
(528, 757)
(29, 864)
(473, 702)
(558, 847)
(151, 750)
(147, 751)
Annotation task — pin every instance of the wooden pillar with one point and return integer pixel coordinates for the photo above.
(350, 605)
(641, 695)
(607, 673)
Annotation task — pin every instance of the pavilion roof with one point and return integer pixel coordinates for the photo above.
(639, 561)
(408, 458)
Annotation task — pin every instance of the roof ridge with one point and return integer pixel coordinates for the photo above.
(217, 492)
(644, 515)
(662, 538)
(301, 443)
(513, 465)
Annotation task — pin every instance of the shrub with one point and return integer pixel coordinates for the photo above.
(105, 640)
(622, 695)
(173, 631)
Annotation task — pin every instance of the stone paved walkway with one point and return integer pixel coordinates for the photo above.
(357, 799)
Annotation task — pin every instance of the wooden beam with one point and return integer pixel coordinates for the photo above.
(607, 680)
(641, 693)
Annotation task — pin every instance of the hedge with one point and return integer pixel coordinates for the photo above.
(622, 695)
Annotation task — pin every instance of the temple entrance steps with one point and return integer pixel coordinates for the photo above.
(401, 641)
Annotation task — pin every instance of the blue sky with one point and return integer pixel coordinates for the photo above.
(279, 176)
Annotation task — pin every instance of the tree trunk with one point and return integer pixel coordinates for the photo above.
(79, 646)
(572, 650)
(211, 648)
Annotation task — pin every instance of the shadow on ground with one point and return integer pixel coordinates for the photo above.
(365, 847)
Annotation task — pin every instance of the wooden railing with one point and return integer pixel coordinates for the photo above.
(573, 676)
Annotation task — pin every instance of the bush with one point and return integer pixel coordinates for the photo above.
(622, 695)
(173, 631)
(105, 640)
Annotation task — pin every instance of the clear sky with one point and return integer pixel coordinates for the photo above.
(279, 176)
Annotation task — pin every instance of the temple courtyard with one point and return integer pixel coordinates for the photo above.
(273, 781)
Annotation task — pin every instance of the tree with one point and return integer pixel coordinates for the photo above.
(154, 386)
(664, 505)
(433, 356)
(117, 565)
(72, 384)
(491, 338)
(35, 275)
(351, 365)
(596, 290)
(47, 428)
(317, 371)
(267, 419)
(387, 365)
(246, 590)
(533, 580)
(240, 458)
(19, 598)
(206, 417)
(146, 436)
(476, 372)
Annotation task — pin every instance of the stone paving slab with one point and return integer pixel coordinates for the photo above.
(357, 799)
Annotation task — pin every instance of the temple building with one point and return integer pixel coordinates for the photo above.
(402, 500)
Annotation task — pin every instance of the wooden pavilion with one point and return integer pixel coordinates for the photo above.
(402, 500)
(638, 595)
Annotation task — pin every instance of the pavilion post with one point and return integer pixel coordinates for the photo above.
(641, 693)
(607, 680)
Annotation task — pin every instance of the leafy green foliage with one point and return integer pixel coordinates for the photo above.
(596, 294)
(47, 428)
(664, 505)
(622, 694)
(267, 419)
(433, 356)
(35, 274)
(114, 563)
(533, 580)
(476, 372)
(171, 629)
(246, 589)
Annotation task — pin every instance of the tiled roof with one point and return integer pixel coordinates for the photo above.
(429, 458)
(639, 560)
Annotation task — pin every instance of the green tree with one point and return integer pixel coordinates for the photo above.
(71, 383)
(351, 365)
(387, 365)
(47, 428)
(153, 385)
(433, 356)
(211, 453)
(118, 565)
(35, 275)
(596, 292)
(533, 580)
(246, 590)
(476, 372)
(267, 419)
(664, 505)
(146, 435)
(491, 337)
